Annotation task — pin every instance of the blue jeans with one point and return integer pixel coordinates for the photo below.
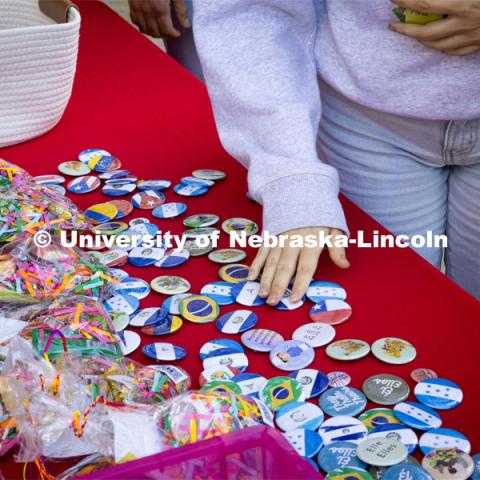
(411, 175)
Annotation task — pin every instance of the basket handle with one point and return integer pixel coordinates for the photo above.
(57, 10)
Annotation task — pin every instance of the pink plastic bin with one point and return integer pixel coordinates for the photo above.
(252, 453)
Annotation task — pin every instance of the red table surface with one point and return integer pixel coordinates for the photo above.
(133, 100)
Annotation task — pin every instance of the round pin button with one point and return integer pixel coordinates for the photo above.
(227, 255)
(169, 324)
(74, 168)
(121, 180)
(129, 341)
(118, 190)
(339, 455)
(307, 443)
(86, 155)
(261, 339)
(234, 273)
(148, 199)
(195, 249)
(101, 212)
(190, 190)
(246, 293)
(226, 357)
(220, 373)
(342, 428)
(197, 181)
(298, 415)
(170, 285)
(331, 311)
(394, 350)
(221, 292)
(314, 334)
(338, 379)
(123, 207)
(404, 471)
(199, 309)
(110, 228)
(385, 389)
(291, 355)
(164, 351)
(153, 184)
(120, 321)
(132, 286)
(448, 463)
(122, 303)
(219, 344)
(382, 452)
(349, 349)
(402, 433)
(443, 438)
(115, 258)
(349, 473)
(222, 387)
(438, 393)
(145, 256)
(250, 383)
(114, 174)
(313, 381)
(208, 174)
(286, 304)
(169, 210)
(49, 180)
(321, 290)
(279, 391)
(376, 417)
(105, 163)
(237, 321)
(420, 374)
(200, 220)
(83, 184)
(172, 258)
(148, 316)
(346, 401)
(240, 225)
(171, 304)
(416, 415)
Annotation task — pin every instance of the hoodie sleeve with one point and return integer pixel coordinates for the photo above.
(259, 65)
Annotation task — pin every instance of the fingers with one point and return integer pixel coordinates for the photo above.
(269, 271)
(181, 11)
(337, 254)
(165, 24)
(152, 26)
(141, 22)
(258, 263)
(455, 42)
(430, 32)
(465, 51)
(307, 264)
(433, 6)
(285, 270)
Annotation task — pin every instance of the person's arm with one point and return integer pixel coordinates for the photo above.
(259, 65)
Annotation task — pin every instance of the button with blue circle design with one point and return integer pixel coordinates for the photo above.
(339, 455)
(417, 416)
(343, 401)
(234, 273)
(199, 309)
(438, 393)
(295, 415)
(405, 471)
(443, 438)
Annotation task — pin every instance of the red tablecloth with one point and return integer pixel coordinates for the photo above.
(136, 102)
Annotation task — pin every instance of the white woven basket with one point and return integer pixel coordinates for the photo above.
(38, 58)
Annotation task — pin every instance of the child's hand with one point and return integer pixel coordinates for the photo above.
(154, 17)
(458, 34)
(281, 264)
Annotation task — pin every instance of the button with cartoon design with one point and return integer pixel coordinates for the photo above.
(348, 349)
(394, 350)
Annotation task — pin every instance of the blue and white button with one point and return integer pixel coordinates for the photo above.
(118, 189)
(237, 321)
(250, 383)
(313, 382)
(169, 210)
(86, 155)
(197, 181)
(307, 443)
(406, 471)
(135, 287)
(295, 415)
(292, 355)
(123, 180)
(246, 293)
(217, 344)
(342, 428)
(226, 357)
(164, 351)
(321, 290)
(476, 464)
(122, 303)
(286, 304)
(172, 304)
(85, 184)
(443, 438)
(173, 258)
(129, 341)
(148, 316)
(221, 292)
(114, 174)
(190, 190)
(145, 256)
(438, 393)
(416, 415)
(153, 184)
(346, 401)
(402, 433)
(339, 455)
